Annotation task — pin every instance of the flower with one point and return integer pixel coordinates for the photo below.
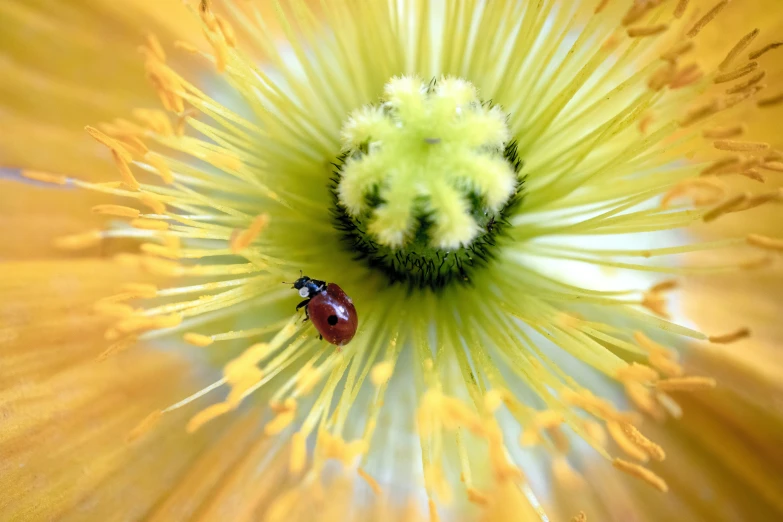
(472, 175)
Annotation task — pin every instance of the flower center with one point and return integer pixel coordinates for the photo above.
(425, 181)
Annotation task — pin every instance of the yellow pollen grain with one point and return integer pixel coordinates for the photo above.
(45, 177)
(149, 224)
(162, 267)
(144, 427)
(477, 497)
(111, 143)
(673, 54)
(433, 509)
(162, 168)
(691, 383)
(725, 207)
(374, 486)
(627, 445)
(157, 206)
(493, 399)
(686, 76)
(119, 310)
(79, 241)
(741, 333)
(737, 49)
(160, 250)
(207, 414)
(242, 240)
(125, 173)
(682, 6)
(116, 210)
(649, 30)
(770, 101)
(775, 166)
(763, 50)
(765, 242)
(381, 373)
(223, 161)
(595, 432)
(665, 286)
(641, 473)
(740, 146)
(661, 360)
(280, 422)
(642, 398)
(199, 340)
(144, 290)
(298, 456)
(655, 303)
(579, 517)
(636, 372)
(548, 419)
(707, 18)
(736, 73)
(652, 449)
(724, 132)
(185, 46)
(753, 80)
(154, 45)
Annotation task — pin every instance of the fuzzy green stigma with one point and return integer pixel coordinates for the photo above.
(425, 180)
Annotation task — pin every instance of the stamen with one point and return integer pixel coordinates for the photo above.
(245, 238)
(652, 449)
(765, 242)
(116, 210)
(125, 173)
(477, 497)
(673, 54)
(298, 457)
(758, 53)
(618, 434)
(145, 426)
(747, 84)
(692, 383)
(199, 340)
(579, 517)
(149, 224)
(727, 206)
(736, 73)
(45, 177)
(725, 132)
(650, 30)
(682, 6)
(737, 49)
(731, 337)
(376, 488)
(707, 18)
(641, 473)
(740, 146)
(770, 101)
(79, 241)
(776, 166)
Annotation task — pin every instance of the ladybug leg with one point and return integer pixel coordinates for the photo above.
(321, 337)
(307, 312)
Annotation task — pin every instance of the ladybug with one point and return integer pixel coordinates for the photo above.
(330, 309)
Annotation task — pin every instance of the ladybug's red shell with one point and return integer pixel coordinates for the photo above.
(333, 315)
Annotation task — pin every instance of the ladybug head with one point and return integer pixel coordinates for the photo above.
(301, 282)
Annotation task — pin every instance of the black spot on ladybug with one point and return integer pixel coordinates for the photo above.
(332, 320)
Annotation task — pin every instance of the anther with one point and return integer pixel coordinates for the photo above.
(737, 49)
(758, 53)
(707, 18)
(741, 333)
(641, 473)
(650, 30)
